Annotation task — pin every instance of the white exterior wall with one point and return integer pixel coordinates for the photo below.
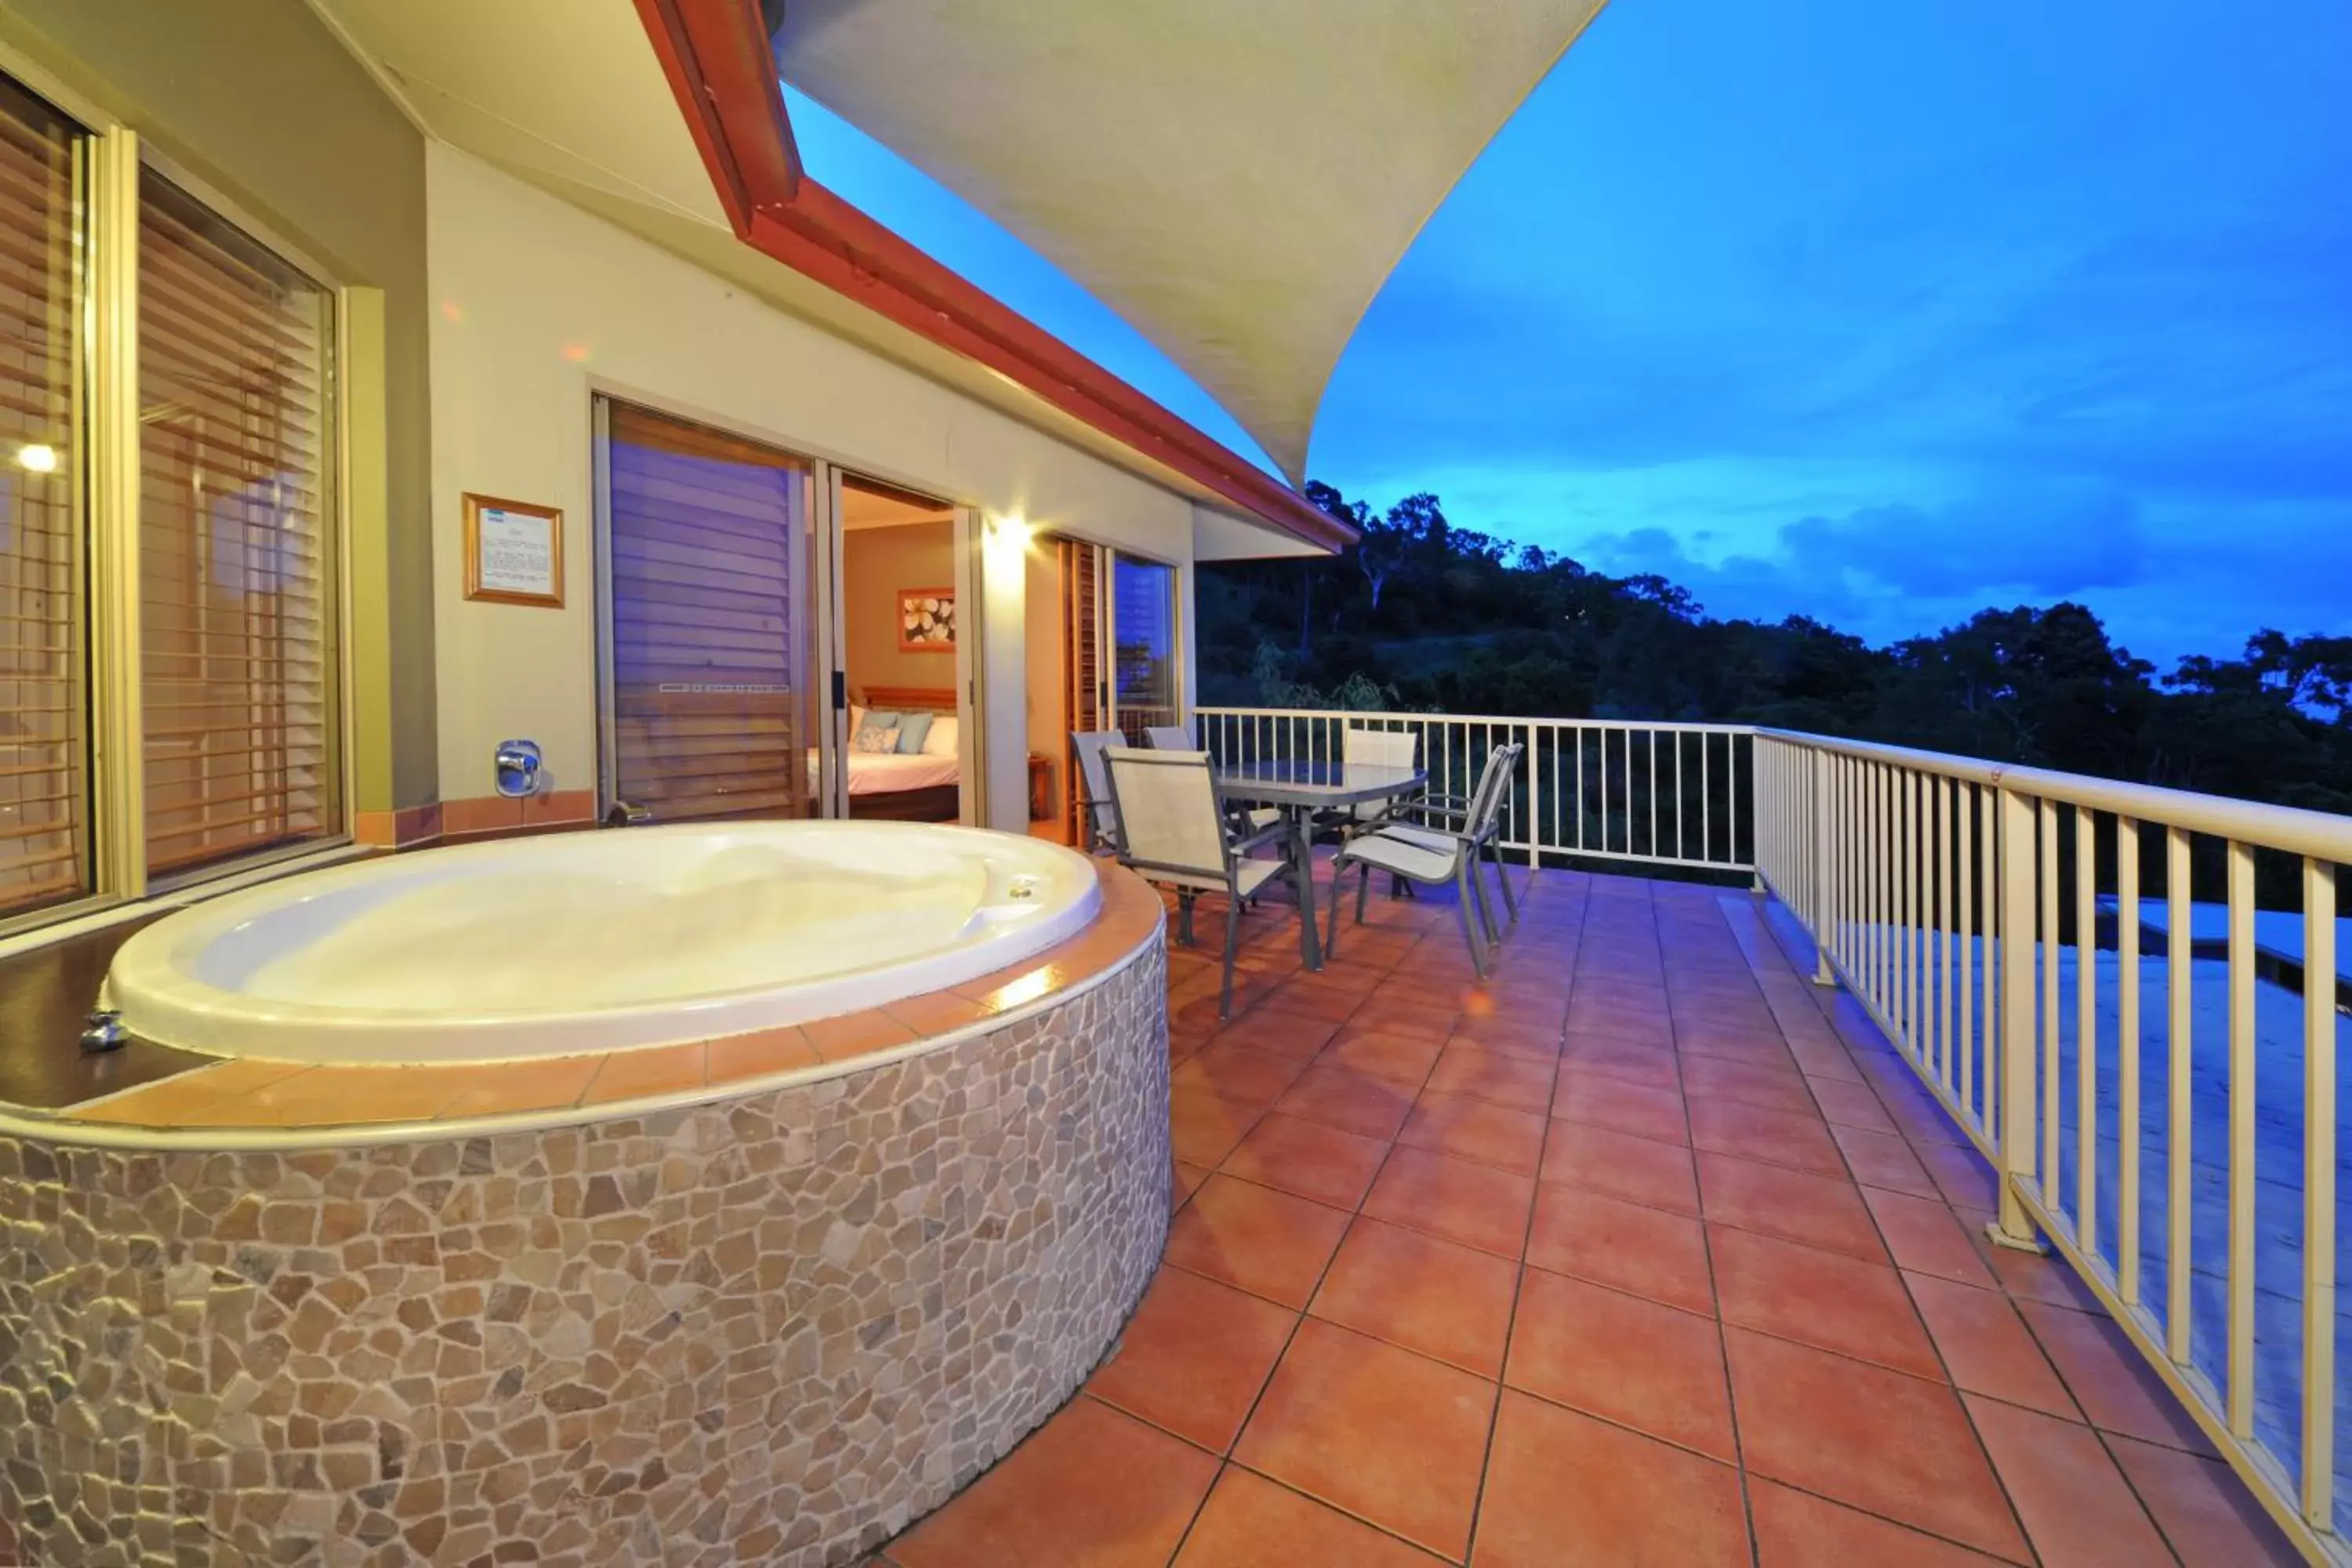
(537, 305)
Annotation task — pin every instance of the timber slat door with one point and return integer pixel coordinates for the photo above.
(709, 561)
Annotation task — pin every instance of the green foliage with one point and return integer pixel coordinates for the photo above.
(1426, 615)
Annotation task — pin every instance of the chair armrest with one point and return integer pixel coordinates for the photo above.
(1272, 833)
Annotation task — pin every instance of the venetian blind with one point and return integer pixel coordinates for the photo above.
(236, 579)
(44, 746)
(708, 546)
(1143, 627)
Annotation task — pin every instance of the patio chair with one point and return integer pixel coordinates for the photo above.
(1432, 856)
(1177, 738)
(1455, 811)
(1100, 812)
(1172, 831)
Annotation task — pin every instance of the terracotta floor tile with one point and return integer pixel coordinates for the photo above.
(1816, 1210)
(2028, 1276)
(1885, 1160)
(1091, 1488)
(336, 1094)
(1481, 1072)
(1476, 1130)
(1751, 1067)
(1251, 1522)
(1284, 1034)
(1478, 1205)
(2109, 1380)
(1426, 1016)
(1796, 1530)
(1927, 1237)
(1189, 1178)
(2075, 1503)
(1400, 1058)
(1624, 1359)
(1588, 1055)
(856, 1035)
(1194, 1357)
(1881, 1441)
(1645, 1109)
(1204, 1129)
(1825, 1061)
(2202, 1506)
(1439, 1298)
(1523, 1038)
(1985, 1347)
(1564, 1491)
(1342, 1096)
(1620, 1023)
(1312, 1001)
(1309, 1158)
(1626, 1247)
(1270, 1244)
(1801, 1142)
(1235, 1072)
(1388, 1435)
(1638, 1169)
(1821, 1298)
(1851, 1104)
(1960, 1175)
(759, 1054)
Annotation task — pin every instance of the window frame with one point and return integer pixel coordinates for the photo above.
(110, 159)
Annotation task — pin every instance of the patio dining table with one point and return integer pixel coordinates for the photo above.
(1301, 789)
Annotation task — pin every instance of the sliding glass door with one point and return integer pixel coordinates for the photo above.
(712, 700)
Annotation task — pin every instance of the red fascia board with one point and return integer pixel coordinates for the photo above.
(720, 68)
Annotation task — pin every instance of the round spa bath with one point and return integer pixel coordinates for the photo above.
(686, 1194)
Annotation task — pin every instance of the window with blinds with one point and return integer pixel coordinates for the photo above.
(708, 543)
(1081, 659)
(237, 576)
(1143, 645)
(45, 854)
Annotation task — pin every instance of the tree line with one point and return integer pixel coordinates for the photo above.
(1422, 615)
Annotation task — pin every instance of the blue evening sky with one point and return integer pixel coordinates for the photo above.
(1874, 311)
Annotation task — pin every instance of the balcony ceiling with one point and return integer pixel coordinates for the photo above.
(1236, 178)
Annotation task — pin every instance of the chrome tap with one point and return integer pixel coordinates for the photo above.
(518, 768)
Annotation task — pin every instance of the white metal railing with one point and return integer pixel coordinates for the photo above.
(2170, 1126)
(1991, 918)
(1653, 794)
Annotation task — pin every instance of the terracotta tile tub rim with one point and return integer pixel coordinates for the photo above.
(68, 1126)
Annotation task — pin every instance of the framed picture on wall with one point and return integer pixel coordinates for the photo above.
(514, 551)
(927, 620)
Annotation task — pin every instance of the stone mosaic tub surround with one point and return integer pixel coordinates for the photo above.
(756, 1302)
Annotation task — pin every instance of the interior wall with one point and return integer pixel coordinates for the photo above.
(876, 563)
(1049, 718)
(540, 304)
(258, 100)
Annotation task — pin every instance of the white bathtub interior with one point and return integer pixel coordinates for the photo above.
(585, 941)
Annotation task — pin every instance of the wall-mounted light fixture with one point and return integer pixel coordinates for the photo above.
(38, 457)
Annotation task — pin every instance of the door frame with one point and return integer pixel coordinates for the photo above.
(827, 468)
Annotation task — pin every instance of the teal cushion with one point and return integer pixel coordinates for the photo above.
(912, 728)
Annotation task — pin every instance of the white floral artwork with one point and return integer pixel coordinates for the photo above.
(927, 620)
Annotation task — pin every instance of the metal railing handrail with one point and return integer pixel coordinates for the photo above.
(2294, 829)
(1392, 715)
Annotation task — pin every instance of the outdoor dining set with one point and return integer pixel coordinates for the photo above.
(1188, 821)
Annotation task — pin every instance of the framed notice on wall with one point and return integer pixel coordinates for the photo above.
(514, 551)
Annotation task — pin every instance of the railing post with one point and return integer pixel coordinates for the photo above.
(1824, 873)
(2017, 868)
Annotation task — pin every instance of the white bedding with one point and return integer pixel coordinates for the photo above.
(881, 773)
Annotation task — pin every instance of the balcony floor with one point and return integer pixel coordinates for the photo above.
(1647, 1251)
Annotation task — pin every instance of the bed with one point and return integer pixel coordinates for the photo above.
(905, 788)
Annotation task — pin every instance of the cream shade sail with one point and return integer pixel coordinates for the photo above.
(1235, 177)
